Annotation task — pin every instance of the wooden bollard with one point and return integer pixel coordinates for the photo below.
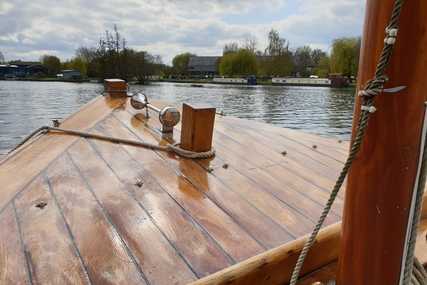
(197, 127)
(115, 87)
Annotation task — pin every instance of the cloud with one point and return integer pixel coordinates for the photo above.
(29, 29)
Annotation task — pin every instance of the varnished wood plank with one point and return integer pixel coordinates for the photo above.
(278, 175)
(231, 236)
(198, 249)
(190, 240)
(297, 135)
(13, 265)
(51, 254)
(37, 156)
(285, 216)
(294, 191)
(260, 226)
(312, 176)
(100, 246)
(266, 139)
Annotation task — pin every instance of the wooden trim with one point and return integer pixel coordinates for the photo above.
(274, 267)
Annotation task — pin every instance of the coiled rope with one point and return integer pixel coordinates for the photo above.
(372, 89)
(174, 148)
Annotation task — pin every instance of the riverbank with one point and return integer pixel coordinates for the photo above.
(47, 79)
(260, 82)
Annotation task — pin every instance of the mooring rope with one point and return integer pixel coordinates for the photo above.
(174, 148)
(372, 89)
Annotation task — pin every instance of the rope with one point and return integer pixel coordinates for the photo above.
(373, 88)
(409, 261)
(174, 148)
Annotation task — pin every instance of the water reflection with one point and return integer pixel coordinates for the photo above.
(25, 106)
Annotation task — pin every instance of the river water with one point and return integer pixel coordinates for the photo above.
(25, 106)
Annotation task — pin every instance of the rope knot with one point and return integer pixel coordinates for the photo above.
(370, 109)
(374, 87)
(391, 33)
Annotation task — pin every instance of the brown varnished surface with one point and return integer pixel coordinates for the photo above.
(51, 255)
(197, 127)
(13, 267)
(381, 180)
(265, 230)
(34, 158)
(100, 246)
(182, 222)
(193, 244)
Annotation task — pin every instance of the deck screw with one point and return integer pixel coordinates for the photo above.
(41, 205)
(314, 146)
(55, 123)
(340, 141)
(284, 152)
(225, 165)
(139, 183)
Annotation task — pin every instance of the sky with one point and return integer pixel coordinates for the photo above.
(29, 29)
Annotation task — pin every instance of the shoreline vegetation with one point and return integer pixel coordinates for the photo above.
(196, 82)
(112, 58)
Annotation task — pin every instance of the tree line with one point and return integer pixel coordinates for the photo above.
(111, 58)
(278, 59)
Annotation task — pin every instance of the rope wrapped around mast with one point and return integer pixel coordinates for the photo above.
(372, 89)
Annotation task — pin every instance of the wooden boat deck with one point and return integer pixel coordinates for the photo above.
(84, 211)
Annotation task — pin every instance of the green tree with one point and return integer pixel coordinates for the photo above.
(180, 63)
(277, 59)
(317, 55)
(240, 63)
(79, 64)
(272, 66)
(52, 63)
(345, 56)
(303, 61)
(323, 67)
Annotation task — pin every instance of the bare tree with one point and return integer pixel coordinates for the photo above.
(277, 46)
(231, 47)
(250, 43)
(2, 60)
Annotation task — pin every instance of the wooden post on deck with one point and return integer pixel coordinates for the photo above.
(381, 180)
(197, 127)
(115, 87)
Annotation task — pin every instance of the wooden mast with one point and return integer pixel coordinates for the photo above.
(381, 180)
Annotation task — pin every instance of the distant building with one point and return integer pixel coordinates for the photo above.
(203, 65)
(23, 69)
(70, 74)
(19, 69)
(7, 71)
